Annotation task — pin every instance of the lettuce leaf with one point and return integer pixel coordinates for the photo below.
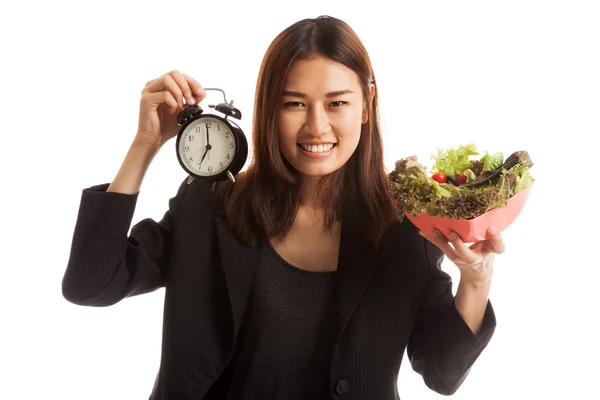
(523, 179)
(410, 185)
(452, 161)
(492, 162)
(470, 175)
(466, 204)
(507, 184)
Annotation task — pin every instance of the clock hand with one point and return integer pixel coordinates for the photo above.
(204, 155)
(208, 146)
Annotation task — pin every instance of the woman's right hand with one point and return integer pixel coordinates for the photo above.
(162, 99)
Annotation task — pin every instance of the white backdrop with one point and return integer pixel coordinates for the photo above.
(511, 75)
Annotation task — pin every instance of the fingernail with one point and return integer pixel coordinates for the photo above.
(437, 234)
(191, 100)
(493, 230)
(452, 236)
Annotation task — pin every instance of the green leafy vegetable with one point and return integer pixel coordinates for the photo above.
(524, 178)
(414, 190)
(454, 161)
(470, 175)
(492, 161)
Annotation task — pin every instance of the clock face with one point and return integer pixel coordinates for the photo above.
(207, 146)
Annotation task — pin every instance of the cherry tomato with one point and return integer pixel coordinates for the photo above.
(439, 177)
(460, 179)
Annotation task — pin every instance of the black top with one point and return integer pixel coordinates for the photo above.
(284, 346)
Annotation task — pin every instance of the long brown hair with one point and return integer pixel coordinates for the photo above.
(264, 200)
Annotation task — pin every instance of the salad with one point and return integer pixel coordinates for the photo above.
(462, 184)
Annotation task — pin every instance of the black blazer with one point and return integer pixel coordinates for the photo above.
(388, 300)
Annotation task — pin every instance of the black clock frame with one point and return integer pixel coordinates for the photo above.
(193, 113)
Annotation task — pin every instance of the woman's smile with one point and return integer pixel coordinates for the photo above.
(317, 151)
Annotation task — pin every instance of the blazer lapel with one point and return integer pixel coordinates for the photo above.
(240, 262)
(357, 263)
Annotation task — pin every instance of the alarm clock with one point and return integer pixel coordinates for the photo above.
(211, 146)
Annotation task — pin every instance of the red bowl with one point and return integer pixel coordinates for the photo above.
(473, 230)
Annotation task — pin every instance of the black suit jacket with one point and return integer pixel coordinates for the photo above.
(390, 300)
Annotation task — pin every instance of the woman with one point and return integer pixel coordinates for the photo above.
(297, 281)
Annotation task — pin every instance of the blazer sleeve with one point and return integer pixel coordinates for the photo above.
(105, 264)
(442, 347)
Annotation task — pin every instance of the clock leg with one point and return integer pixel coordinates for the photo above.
(230, 176)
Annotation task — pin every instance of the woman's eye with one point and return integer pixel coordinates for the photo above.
(335, 104)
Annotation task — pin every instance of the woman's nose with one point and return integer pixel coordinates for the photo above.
(317, 120)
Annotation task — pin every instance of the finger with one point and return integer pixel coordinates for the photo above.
(439, 240)
(495, 243)
(184, 86)
(147, 84)
(170, 101)
(466, 254)
(478, 246)
(197, 89)
(155, 85)
(164, 97)
(166, 82)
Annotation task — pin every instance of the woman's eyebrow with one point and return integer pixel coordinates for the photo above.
(302, 95)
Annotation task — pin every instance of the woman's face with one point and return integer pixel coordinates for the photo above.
(320, 116)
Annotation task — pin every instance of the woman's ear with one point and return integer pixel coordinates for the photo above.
(365, 116)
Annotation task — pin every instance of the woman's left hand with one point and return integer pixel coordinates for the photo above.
(476, 262)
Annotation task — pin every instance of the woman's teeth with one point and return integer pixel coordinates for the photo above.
(317, 149)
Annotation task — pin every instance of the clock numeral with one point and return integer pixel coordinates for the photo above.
(208, 124)
(218, 127)
(220, 165)
(191, 138)
(231, 145)
(198, 129)
(227, 135)
(210, 169)
(186, 148)
(228, 156)
(191, 159)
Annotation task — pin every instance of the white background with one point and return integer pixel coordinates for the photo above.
(510, 75)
